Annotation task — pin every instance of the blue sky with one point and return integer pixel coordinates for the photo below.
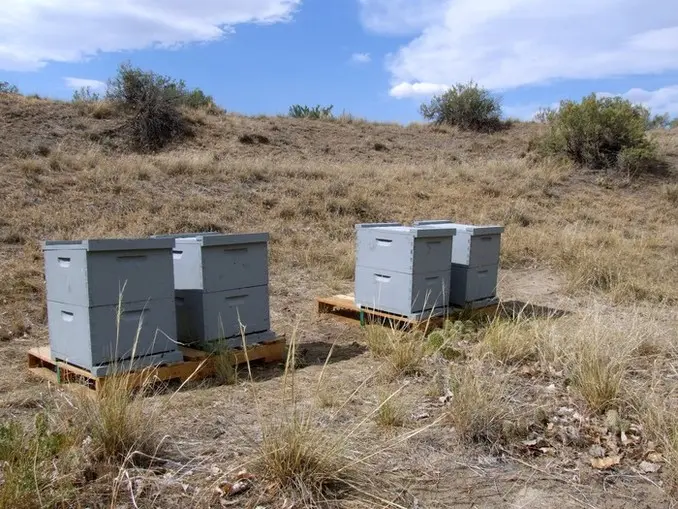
(377, 59)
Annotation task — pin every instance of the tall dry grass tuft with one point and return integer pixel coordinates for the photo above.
(483, 408)
(297, 456)
(597, 354)
(513, 341)
(301, 460)
(391, 411)
(123, 424)
(121, 421)
(403, 351)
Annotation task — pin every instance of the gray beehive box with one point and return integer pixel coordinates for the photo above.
(100, 340)
(473, 245)
(216, 262)
(403, 270)
(406, 294)
(206, 317)
(475, 262)
(86, 280)
(473, 286)
(392, 246)
(96, 272)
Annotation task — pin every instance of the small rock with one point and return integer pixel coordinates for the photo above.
(624, 439)
(569, 435)
(423, 415)
(649, 468)
(596, 451)
(655, 457)
(612, 421)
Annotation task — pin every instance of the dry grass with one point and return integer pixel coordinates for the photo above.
(225, 367)
(391, 410)
(67, 175)
(302, 461)
(514, 341)
(402, 351)
(34, 471)
(296, 455)
(597, 354)
(659, 418)
(482, 407)
(671, 193)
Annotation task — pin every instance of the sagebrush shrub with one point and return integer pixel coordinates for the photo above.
(153, 101)
(86, 95)
(600, 133)
(8, 88)
(314, 113)
(467, 106)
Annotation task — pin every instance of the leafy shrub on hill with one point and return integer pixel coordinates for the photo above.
(659, 121)
(8, 88)
(467, 106)
(85, 95)
(601, 133)
(315, 112)
(153, 101)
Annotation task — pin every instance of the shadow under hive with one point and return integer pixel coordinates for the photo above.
(474, 262)
(403, 270)
(110, 303)
(221, 281)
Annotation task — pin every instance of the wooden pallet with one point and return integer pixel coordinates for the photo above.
(197, 365)
(344, 308)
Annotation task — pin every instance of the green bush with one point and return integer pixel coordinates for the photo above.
(153, 101)
(131, 86)
(8, 88)
(600, 133)
(315, 112)
(85, 95)
(659, 121)
(467, 106)
(633, 161)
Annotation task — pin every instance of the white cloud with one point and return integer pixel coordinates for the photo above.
(77, 83)
(660, 101)
(34, 32)
(416, 89)
(361, 58)
(503, 44)
(399, 17)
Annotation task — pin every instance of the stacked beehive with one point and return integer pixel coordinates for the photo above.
(110, 303)
(475, 262)
(221, 282)
(403, 270)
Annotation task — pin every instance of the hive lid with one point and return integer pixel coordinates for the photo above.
(411, 231)
(182, 235)
(471, 229)
(376, 225)
(223, 239)
(108, 244)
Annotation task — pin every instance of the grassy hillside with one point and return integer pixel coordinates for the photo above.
(602, 248)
